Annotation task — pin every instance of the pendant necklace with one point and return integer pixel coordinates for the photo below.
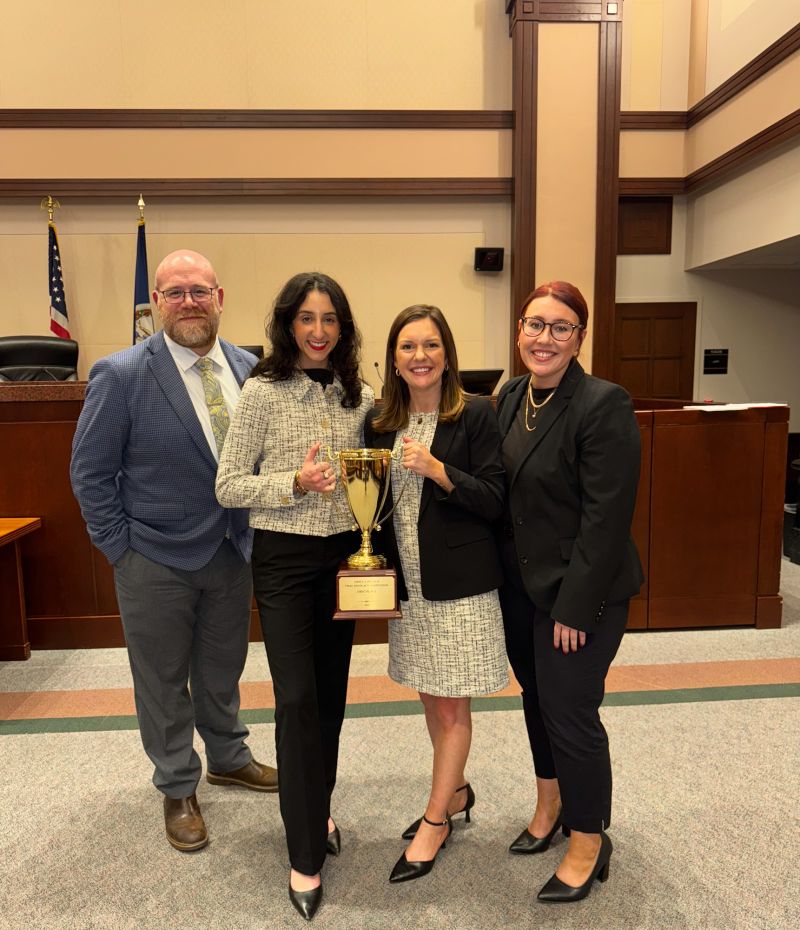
(532, 408)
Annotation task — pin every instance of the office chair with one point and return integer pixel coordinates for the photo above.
(38, 358)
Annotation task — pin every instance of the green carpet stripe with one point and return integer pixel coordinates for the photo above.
(405, 708)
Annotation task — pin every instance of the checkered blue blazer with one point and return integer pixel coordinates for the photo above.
(141, 468)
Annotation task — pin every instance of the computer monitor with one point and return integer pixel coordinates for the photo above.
(480, 380)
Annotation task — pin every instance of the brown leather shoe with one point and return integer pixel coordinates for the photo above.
(186, 829)
(254, 775)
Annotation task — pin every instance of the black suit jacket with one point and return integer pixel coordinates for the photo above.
(457, 546)
(572, 495)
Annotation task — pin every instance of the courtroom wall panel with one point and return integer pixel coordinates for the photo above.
(387, 255)
(250, 54)
(751, 312)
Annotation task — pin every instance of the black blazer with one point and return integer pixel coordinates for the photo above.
(572, 495)
(457, 547)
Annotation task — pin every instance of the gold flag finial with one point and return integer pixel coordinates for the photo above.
(51, 205)
(141, 206)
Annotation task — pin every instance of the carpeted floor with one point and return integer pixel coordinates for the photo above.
(705, 818)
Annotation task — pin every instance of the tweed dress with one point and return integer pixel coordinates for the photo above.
(450, 648)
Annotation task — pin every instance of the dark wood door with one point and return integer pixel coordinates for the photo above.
(653, 353)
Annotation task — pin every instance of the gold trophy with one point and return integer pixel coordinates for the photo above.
(366, 588)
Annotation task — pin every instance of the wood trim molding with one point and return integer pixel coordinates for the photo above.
(607, 217)
(525, 37)
(735, 159)
(654, 119)
(255, 119)
(107, 188)
(762, 64)
(564, 11)
(779, 51)
(740, 155)
(651, 187)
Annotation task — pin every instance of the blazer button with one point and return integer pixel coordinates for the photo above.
(524, 559)
(285, 500)
(519, 521)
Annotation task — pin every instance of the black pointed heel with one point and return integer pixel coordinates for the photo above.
(556, 891)
(306, 902)
(333, 843)
(527, 844)
(405, 871)
(410, 832)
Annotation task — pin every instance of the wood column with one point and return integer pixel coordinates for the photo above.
(605, 18)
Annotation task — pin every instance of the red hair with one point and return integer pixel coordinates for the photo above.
(566, 293)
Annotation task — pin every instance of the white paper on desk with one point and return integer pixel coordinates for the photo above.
(721, 408)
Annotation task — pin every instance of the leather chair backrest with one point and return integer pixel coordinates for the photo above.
(38, 358)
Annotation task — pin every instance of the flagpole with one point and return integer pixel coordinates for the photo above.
(51, 205)
(143, 323)
(59, 319)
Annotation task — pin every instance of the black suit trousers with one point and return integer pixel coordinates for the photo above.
(561, 697)
(294, 579)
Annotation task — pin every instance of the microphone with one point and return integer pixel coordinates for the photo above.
(378, 369)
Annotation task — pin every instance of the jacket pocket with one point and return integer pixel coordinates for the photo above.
(463, 536)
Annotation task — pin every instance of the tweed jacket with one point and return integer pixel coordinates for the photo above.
(457, 548)
(142, 470)
(571, 497)
(272, 429)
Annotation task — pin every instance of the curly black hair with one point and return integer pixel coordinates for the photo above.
(280, 364)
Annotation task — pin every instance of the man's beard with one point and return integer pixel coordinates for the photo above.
(191, 334)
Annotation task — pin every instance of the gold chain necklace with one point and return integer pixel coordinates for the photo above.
(531, 405)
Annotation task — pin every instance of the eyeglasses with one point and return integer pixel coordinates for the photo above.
(561, 331)
(199, 294)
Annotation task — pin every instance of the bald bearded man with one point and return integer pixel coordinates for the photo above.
(144, 462)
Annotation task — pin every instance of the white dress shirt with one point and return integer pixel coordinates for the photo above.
(185, 361)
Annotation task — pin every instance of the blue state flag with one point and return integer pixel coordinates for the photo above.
(143, 323)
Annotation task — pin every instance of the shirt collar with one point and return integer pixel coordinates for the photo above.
(187, 358)
(301, 385)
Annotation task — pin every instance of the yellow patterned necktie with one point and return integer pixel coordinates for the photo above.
(220, 419)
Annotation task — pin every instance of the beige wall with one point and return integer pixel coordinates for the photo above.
(269, 54)
(739, 29)
(677, 154)
(566, 169)
(754, 314)
(254, 153)
(756, 208)
(386, 255)
(655, 54)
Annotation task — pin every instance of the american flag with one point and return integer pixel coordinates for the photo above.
(143, 324)
(59, 321)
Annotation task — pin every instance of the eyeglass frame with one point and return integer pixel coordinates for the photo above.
(524, 319)
(185, 291)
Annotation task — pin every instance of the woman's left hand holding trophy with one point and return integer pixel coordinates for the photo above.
(315, 476)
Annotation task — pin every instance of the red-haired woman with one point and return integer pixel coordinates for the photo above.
(571, 450)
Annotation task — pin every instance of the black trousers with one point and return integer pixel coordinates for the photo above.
(309, 659)
(561, 697)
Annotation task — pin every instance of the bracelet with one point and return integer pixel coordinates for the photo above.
(298, 488)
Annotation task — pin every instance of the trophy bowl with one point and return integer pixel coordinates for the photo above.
(365, 476)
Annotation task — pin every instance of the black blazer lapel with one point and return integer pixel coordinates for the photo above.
(167, 375)
(442, 440)
(511, 402)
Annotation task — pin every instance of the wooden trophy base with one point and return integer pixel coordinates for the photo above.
(369, 594)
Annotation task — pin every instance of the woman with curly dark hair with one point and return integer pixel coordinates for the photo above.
(305, 397)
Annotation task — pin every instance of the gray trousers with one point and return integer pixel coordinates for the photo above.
(187, 629)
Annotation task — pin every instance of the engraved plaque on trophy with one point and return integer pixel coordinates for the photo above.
(366, 588)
